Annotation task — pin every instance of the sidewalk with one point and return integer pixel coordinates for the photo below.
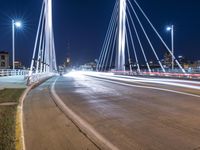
(46, 127)
(12, 82)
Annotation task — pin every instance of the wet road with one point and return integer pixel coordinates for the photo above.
(135, 116)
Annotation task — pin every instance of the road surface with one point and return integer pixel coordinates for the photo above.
(128, 115)
(47, 128)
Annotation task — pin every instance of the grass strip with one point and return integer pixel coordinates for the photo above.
(8, 119)
(10, 95)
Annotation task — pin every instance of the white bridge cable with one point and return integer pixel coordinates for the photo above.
(109, 38)
(128, 50)
(111, 42)
(106, 39)
(104, 43)
(113, 47)
(36, 41)
(147, 37)
(40, 44)
(42, 59)
(133, 46)
(139, 41)
(158, 35)
(54, 54)
(44, 46)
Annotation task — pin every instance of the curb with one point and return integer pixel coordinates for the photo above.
(20, 141)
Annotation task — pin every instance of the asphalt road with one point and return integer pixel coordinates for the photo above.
(46, 127)
(135, 116)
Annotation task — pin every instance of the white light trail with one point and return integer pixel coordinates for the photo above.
(128, 81)
(171, 82)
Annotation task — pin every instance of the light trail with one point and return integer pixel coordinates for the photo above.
(173, 82)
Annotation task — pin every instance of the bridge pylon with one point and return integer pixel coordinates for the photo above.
(120, 63)
(132, 43)
(44, 56)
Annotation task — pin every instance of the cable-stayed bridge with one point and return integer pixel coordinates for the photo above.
(43, 62)
(130, 44)
(44, 57)
(95, 110)
(132, 40)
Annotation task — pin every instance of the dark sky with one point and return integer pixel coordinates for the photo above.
(83, 24)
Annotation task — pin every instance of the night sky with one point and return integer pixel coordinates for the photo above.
(80, 26)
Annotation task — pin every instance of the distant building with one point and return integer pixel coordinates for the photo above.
(18, 64)
(4, 60)
(89, 66)
(167, 60)
(197, 64)
(67, 65)
(67, 62)
(192, 65)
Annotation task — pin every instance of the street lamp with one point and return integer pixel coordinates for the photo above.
(171, 28)
(16, 24)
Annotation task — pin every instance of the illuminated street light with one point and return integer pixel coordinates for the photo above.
(171, 28)
(16, 24)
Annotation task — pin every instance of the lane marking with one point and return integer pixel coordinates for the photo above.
(85, 126)
(150, 87)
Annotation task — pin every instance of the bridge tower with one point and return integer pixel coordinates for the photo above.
(120, 63)
(44, 57)
(130, 41)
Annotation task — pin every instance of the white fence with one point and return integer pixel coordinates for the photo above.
(10, 72)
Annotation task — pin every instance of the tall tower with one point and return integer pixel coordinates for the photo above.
(120, 63)
(49, 42)
(44, 57)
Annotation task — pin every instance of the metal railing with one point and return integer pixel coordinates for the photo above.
(177, 73)
(10, 72)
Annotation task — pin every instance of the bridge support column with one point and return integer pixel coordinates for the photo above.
(120, 63)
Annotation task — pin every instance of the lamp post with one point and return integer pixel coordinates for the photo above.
(16, 24)
(171, 28)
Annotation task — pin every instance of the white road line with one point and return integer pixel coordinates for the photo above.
(150, 87)
(85, 126)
